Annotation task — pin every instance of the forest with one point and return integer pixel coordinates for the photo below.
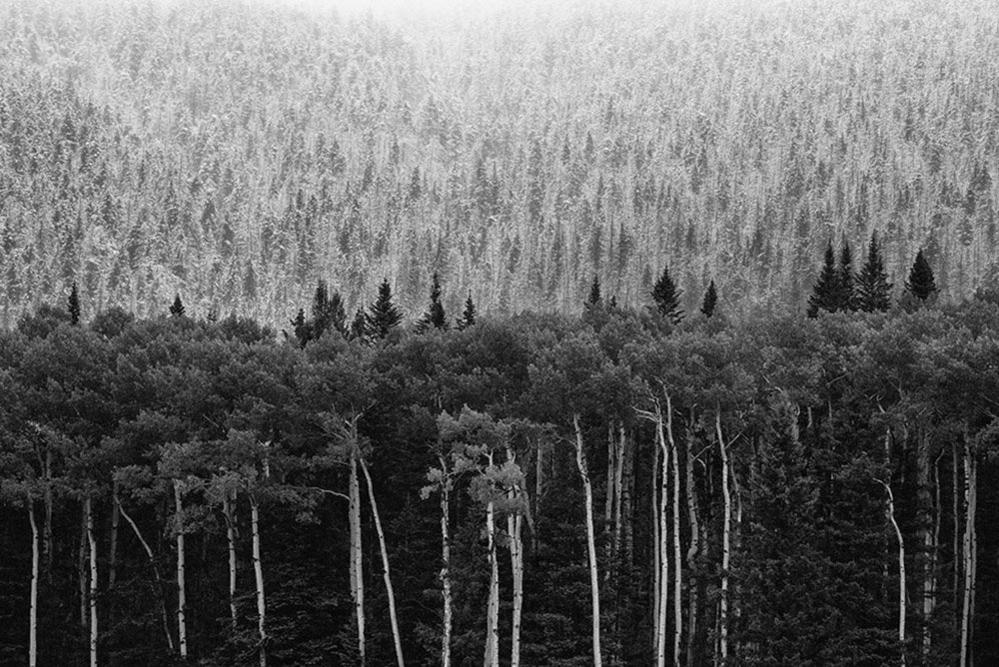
(617, 486)
(237, 152)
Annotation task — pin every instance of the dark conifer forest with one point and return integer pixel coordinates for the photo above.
(558, 334)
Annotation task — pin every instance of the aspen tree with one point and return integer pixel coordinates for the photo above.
(33, 604)
(590, 540)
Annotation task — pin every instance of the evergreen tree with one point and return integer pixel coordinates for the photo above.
(710, 300)
(872, 289)
(666, 297)
(382, 315)
(327, 311)
(825, 294)
(359, 327)
(302, 328)
(434, 317)
(594, 297)
(467, 318)
(845, 297)
(921, 283)
(74, 305)
(177, 309)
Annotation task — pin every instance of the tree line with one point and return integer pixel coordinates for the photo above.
(615, 487)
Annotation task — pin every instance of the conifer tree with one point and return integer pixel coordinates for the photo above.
(825, 293)
(467, 318)
(921, 283)
(74, 305)
(666, 297)
(434, 317)
(845, 297)
(382, 315)
(710, 300)
(327, 312)
(302, 328)
(872, 289)
(177, 309)
(359, 327)
(594, 298)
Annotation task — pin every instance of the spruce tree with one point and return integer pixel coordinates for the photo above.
(382, 315)
(872, 289)
(177, 309)
(594, 298)
(302, 328)
(327, 312)
(845, 298)
(467, 318)
(74, 305)
(666, 297)
(435, 316)
(921, 283)
(825, 294)
(710, 300)
(359, 327)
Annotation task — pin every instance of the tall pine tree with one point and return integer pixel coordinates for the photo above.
(666, 297)
(825, 294)
(872, 289)
(328, 313)
(74, 305)
(177, 309)
(382, 315)
(435, 316)
(921, 283)
(594, 298)
(710, 300)
(845, 298)
(467, 318)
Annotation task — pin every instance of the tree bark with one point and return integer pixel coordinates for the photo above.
(968, 557)
(230, 533)
(514, 523)
(901, 572)
(590, 541)
(82, 567)
(492, 611)
(726, 543)
(657, 555)
(446, 562)
(113, 548)
(258, 573)
(677, 564)
(622, 446)
(33, 610)
(693, 549)
(662, 557)
(386, 574)
(92, 543)
(925, 536)
(181, 576)
(48, 512)
(356, 553)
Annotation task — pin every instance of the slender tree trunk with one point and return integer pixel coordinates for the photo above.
(48, 512)
(82, 567)
(657, 555)
(967, 607)
(386, 574)
(925, 536)
(113, 548)
(956, 513)
(611, 476)
(622, 445)
(663, 547)
(628, 500)
(229, 511)
(258, 574)
(590, 541)
(33, 609)
(156, 572)
(677, 563)
(692, 550)
(514, 522)
(446, 562)
(492, 611)
(356, 553)
(901, 572)
(934, 558)
(92, 543)
(181, 578)
(726, 543)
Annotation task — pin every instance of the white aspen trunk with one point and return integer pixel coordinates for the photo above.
(663, 531)
(590, 542)
(82, 567)
(229, 511)
(967, 607)
(628, 500)
(514, 522)
(693, 549)
(386, 574)
(538, 480)
(156, 571)
(926, 536)
(492, 611)
(901, 573)
(92, 544)
(677, 563)
(656, 546)
(356, 554)
(726, 544)
(258, 574)
(446, 563)
(974, 560)
(934, 557)
(33, 610)
(956, 513)
(622, 444)
(611, 475)
(181, 579)
(113, 548)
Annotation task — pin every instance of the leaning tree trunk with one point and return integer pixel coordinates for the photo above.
(901, 572)
(491, 658)
(726, 543)
(181, 574)
(445, 563)
(33, 610)
(590, 541)
(386, 574)
(92, 544)
(228, 509)
(258, 574)
(356, 554)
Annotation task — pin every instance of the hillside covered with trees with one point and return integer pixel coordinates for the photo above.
(236, 153)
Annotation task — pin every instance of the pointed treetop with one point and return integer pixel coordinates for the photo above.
(382, 315)
(710, 300)
(177, 309)
(594, 298)
(666, 297)
(921, 283)
(328, 313)
(872, 290)
(74, 305)
(434, 316)
(467, 318)
(359, 326)
(844, 290)
(825, 294)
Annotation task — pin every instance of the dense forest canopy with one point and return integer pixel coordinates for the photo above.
(237, 152)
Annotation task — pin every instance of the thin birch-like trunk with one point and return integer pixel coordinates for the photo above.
(901, 572)
(181, 576)
(230, 533)
(33, 611)
(656, 545)
(446, 563)
(113, 548)
(956, 513)
(386, 574)
(81, 566)
(663, 531)
(491, 658)
(967, 607)
(622, 445)
(513, 527)
(611, 476)
(356, 553)
(726, 544)
(590, 541)
(693, 549)
(258, 574)
(926, 536)
(677, 564)
(92, 543)
(48, 512)
(628, 500)
(156, 572)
